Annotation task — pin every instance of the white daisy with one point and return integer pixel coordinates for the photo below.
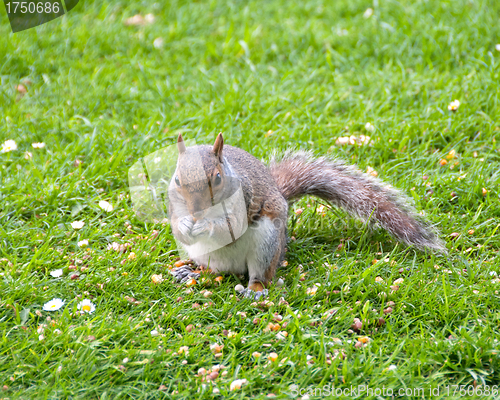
(77, 224)
(40, 145)
(368, 13)
(154, 332)
(86, 306)
(57, 273)
(453, 106)
(497, 47)
(237, 384)
(8, 145)
(53, 305)
(83, 243)
(369, 127)
(105, 206)
(158, 43)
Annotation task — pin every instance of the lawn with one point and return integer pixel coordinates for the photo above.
(101, 91)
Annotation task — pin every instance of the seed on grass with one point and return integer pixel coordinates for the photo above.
(454, 235)
(190, 282)
(207, 293)
(398, 281)
(22, 89)
(277, 317)
(443, 162)
(272, 327)
(179, 263)
(484, 191)
(364, 339)
(196, 306)
(183, 350)
(379, 279)
(272, 357)
(213, 376)
(283, 302)
(388, 310)
(216, 348)
(312, 290)
(189, 328)
(256, 321)
(237, 384)
(357, 324)
(281, 335)
(371, 171)
(219, 279)
(157, 279)
(470, 231)
(451, 155)
(256, 354)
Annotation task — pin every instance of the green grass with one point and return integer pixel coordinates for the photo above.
(100, 92)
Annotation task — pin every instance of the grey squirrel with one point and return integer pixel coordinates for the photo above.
(207, 176)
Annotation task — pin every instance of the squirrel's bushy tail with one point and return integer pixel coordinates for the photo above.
(300, 173)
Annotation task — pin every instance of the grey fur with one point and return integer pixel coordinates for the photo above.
(299, 173)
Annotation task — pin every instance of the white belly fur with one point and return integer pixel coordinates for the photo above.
(235, 257)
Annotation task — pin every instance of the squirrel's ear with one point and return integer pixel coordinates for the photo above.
(180, 144)
(219, 143)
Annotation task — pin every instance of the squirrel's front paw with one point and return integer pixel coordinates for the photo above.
(201, 228)
(250, 294)
(186, 225)
(184, 273)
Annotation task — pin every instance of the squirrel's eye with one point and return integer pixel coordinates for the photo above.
(217, 179)
(177, 181)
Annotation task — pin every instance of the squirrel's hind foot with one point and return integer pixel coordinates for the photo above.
(184, 273)
(258, 295)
